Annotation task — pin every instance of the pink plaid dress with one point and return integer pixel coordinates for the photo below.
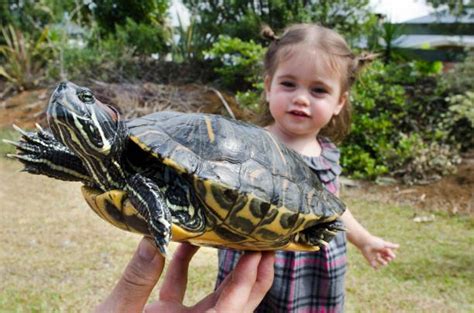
(305, 281)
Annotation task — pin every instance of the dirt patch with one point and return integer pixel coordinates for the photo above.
(24, 109)
(452, 194)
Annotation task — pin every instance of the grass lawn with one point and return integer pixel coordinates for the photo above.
(57, 256)
(433, 271)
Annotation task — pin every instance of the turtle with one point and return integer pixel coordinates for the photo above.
(201, 178)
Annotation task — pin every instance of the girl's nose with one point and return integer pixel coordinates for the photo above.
(301, 99)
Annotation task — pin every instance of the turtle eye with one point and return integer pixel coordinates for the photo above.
(85, 96)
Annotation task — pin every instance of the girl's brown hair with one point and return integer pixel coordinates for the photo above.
(334, 48)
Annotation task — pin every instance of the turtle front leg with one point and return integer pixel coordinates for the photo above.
(148, 199)
(42, 154)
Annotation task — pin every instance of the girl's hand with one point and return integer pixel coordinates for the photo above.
(378, 252)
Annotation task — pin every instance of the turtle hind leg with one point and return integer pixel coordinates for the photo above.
(320, 234)
(147, 198)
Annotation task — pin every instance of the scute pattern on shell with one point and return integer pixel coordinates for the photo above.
(236, 155)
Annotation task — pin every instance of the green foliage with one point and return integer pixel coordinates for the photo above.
(189, 45)
(460, 119)
(25, 58)
(462, 106)
(110, 13)
(461, 78)
(377, 107)
(398, 124)
(32, 16)
(137, 25)
(249, 99)
(143, 38)
(100, 60)
(244, 19)
(456, 7)
(420, 161)
(459, 84)
(239, 62)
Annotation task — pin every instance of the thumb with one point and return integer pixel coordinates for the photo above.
(138, 280)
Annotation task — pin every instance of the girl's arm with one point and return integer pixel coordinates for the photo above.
(377, 251)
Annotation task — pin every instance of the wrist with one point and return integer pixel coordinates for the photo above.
(360, 239)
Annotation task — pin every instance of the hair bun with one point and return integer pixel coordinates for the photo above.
(268, 33)
(365, 58)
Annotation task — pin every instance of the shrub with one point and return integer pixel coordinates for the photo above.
(460, 119)
(378, 106)
(143, 39)
(25, 59)
(399, 124)
(238, 62)
(459, 85)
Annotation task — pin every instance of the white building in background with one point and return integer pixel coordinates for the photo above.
(438, 30)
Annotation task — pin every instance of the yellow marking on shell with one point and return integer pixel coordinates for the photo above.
(96, 200)
(181, 234)
(275, 226)
(300, 247)
(209, 238)
(90, 197)
(166, 161)
(246, 213)
(212, 202)
(210, 131)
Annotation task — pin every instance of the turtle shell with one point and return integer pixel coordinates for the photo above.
(257, 193)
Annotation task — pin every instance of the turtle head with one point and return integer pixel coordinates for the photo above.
(84, 124)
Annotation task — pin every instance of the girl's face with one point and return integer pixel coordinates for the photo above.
(303, 94)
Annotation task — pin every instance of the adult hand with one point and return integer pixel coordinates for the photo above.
(241, 291)
(378, 252)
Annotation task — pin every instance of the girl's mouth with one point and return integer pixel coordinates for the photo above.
(298, 113)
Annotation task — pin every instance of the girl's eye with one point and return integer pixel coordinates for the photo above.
(319, 90)
(287, 84)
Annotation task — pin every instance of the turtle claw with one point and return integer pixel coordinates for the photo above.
(11, 142)
(20, 130)
(162, 237)
(38, 126)
(162, 247)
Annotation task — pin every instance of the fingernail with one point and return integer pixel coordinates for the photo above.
(146, 250)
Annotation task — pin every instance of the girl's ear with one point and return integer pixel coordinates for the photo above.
(267, 84)
(342, 102)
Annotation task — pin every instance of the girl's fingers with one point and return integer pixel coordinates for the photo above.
(388, 254)
(381, 260)
(391, 245)
(176, 279)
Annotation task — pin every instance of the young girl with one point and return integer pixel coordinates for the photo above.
(308, 74)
